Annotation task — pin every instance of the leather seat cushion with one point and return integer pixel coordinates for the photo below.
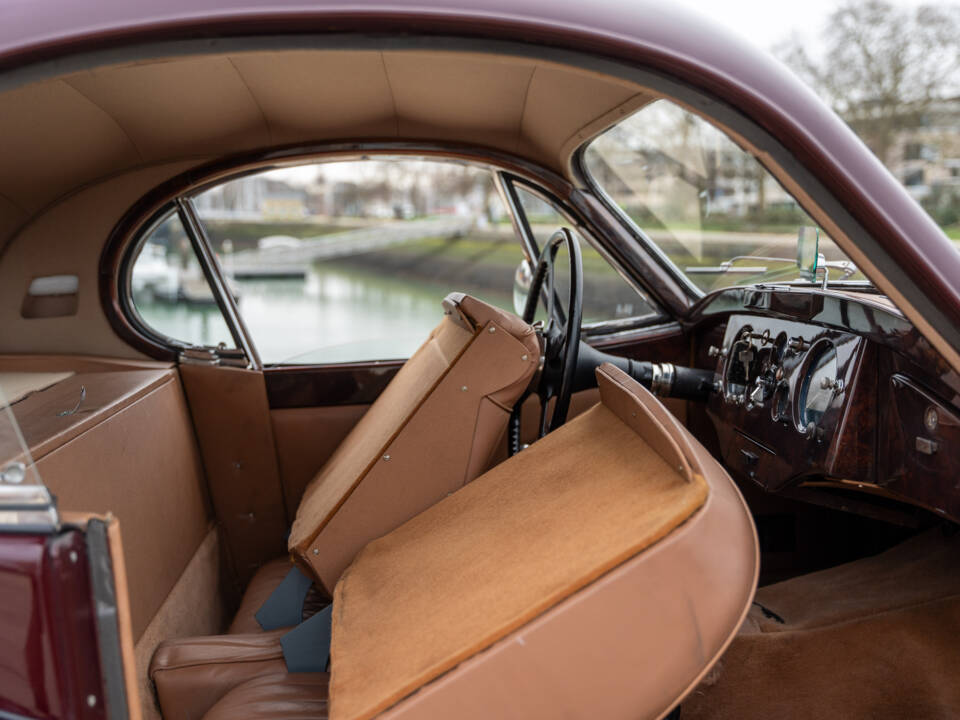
(263, 583)
(191, 674)
(509, 546)
(280, 696)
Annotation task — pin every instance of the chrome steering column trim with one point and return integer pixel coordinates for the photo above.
(661, 382)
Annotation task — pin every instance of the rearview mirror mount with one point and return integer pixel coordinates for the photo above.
(808, 244)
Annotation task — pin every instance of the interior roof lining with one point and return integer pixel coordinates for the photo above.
(109, 115)
(253, 98)
(135, 124)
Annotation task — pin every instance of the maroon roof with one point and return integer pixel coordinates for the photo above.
(653, 35)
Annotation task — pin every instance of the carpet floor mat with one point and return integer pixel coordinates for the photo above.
(875, 638)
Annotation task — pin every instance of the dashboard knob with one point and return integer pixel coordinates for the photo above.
(828, 384)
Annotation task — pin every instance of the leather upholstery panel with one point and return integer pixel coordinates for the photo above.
(435, 428)
(263, 583)
(281, 696)
(352, 459)
(192, 674)
(141, 464)
(232, 421)
(306, 438)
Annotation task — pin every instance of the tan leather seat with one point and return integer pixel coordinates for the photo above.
(281, 696)
(434, 429)
(261, 585)
(192, 674)
(599, 573)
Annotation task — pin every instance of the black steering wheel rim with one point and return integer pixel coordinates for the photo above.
(561, 347)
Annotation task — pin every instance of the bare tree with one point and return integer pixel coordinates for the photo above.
(882, 65)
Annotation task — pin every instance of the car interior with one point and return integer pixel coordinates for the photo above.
(737, 504)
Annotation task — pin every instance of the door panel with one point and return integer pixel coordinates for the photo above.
(232, 420)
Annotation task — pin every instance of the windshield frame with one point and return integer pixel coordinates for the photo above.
(578, 162)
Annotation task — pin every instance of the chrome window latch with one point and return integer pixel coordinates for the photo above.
(220, 355)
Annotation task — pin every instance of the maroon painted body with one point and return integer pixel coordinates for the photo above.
(49, 665)
(645, 34)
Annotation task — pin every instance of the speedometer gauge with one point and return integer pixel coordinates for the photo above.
(818, 384)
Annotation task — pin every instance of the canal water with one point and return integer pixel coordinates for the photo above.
(336, 314)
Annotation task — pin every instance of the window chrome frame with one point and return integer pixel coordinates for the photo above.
(200, 247)
(217, 280)
(578, 162)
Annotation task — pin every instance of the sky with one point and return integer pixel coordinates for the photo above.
(765, 23)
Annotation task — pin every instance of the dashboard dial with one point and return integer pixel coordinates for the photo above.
(819, 384)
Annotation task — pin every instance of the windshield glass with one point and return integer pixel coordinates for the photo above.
(706, 204)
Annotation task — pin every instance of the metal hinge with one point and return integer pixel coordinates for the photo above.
(220, 355)
(27, 509)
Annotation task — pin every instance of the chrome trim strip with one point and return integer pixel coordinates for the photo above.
(518, 218)
(27, 509)
(217, 280)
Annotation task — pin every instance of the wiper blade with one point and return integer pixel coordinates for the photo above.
(727, 266)
(730, 267)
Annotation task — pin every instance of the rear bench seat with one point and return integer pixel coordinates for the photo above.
(599, 573)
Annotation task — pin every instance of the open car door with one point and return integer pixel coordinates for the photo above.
(67, 649)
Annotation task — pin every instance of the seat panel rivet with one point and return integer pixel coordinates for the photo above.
(463, 389)
(386, 457)
(73, 556)
(523, 357)
(492, 329)
(316, 551)
(91, 700)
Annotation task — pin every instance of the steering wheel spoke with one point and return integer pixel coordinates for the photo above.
(561, 334)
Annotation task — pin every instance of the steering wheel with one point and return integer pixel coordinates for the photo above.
(561, 336)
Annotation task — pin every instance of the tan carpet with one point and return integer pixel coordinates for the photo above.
(878, 638)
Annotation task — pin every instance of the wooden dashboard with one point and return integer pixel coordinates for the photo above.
(828, 389)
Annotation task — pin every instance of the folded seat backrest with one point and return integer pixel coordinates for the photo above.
(432, 430)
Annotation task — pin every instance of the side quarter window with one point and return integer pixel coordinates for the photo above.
(349, 261)
(168, 290)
